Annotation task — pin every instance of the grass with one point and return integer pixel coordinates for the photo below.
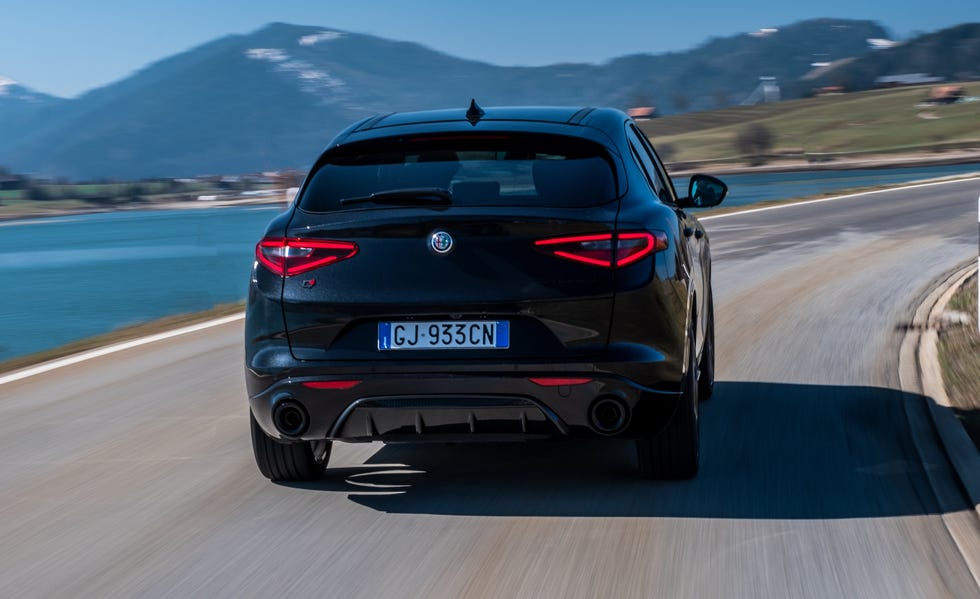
(65, 198)
(869, 123)
(959, 356)
(30, 208)
(120, 335)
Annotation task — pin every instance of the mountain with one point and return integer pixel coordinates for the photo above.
(725, 71)
(19, 106)
(273, 98)
(952, 53)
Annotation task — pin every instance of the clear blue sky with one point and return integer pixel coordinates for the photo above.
(66, 47)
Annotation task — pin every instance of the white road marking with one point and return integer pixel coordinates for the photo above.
(118, 347)
(111, 349)
(835, 198)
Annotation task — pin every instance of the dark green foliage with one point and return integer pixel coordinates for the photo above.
(38, 193)
(754, 141)
(134, 193)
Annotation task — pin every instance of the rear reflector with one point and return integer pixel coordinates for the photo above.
(558, 381)
(288, 256)
(334, 385)
(606, 250)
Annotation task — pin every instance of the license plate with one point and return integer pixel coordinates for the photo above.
(456, 334)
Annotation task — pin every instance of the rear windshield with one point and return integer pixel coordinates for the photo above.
(476, 170)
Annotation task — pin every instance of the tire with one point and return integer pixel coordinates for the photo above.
(286, 461)
(706, 367)
(674, 453)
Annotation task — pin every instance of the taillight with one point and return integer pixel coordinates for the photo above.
(290, 256)
(332, 385)
(553, 381)
(634, 246)
(608, 250)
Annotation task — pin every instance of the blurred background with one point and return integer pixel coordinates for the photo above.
(143, 150)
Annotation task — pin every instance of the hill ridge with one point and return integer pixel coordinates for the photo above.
(272, 98)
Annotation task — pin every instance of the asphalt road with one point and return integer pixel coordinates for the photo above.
(131, 475)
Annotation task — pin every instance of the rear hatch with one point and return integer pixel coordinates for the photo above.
(468, 247)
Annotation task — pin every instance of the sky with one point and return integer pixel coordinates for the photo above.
(66, 47)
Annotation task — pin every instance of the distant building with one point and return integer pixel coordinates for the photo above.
(907, 79)
(12, 182)
(768, 91)
(877, 43)
(829, 90)
(946, 94)
(642, 113)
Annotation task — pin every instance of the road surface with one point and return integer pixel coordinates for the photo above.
(131, 475)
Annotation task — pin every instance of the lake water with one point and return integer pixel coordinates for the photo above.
(66, 278)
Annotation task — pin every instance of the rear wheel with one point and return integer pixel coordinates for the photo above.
(674, 453)
(288, 461)
(706, 368)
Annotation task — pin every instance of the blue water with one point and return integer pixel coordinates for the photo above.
(66, 278)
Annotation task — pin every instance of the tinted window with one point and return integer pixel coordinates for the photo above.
(668, 185)
(478, 170)
(645, 162)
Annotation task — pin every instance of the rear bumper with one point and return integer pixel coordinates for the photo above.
(460, 405)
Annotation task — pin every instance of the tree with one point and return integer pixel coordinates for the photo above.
(680, 101)
(754, 141)
(37, 193)
(134, 192)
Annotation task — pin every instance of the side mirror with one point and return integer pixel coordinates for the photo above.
(704, 191)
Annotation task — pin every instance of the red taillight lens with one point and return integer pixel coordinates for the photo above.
(290, 256)
(634, 246)
(607, 250)
(551, 381)
(334, 385)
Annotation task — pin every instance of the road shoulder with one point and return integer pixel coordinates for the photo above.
(920, 373)
(925, 326)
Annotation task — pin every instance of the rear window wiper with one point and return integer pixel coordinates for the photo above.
(407, 197)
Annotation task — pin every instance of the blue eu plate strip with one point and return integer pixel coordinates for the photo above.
(503, 333)
(384, 335)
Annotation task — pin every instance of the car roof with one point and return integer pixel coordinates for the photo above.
(510, 118)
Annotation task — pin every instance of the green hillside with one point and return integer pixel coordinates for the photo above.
(873, 122)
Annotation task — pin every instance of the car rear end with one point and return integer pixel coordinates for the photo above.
(461, 284)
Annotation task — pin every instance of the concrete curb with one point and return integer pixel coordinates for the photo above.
(920, 373)
(960, 449)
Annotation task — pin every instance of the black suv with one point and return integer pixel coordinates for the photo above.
(471, 274)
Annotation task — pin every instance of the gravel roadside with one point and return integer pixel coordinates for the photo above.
(959, 356)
